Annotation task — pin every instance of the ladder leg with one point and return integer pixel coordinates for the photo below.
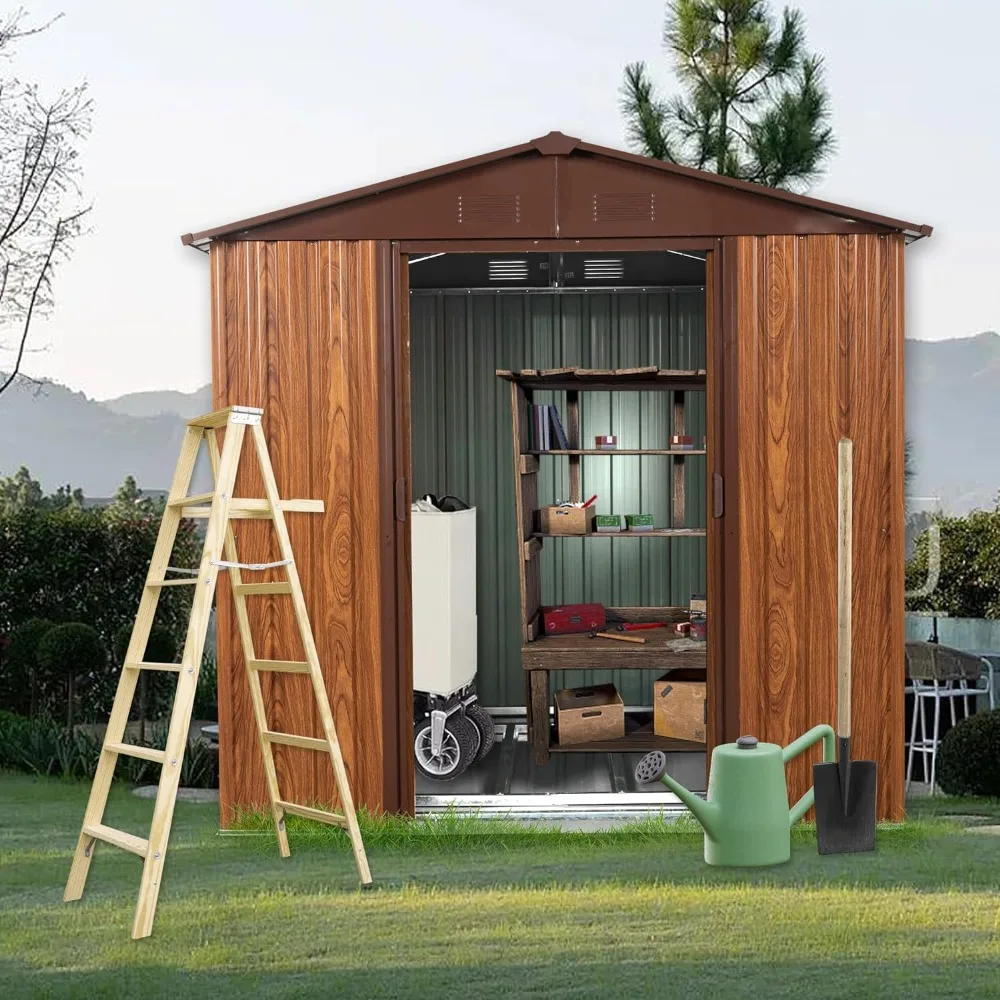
(180, 719)
(312, 656)
(253, 679)
(145, 615)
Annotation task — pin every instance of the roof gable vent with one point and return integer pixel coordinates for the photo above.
(489, 208)
(626, 206)
(604, 269)
(508, 270)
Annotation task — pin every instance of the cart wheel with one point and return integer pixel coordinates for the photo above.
(484, 723)
(458, 748)
(652, 767)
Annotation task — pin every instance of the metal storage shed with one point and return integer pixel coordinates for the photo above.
(804, 328)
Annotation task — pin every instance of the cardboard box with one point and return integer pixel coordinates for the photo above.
(566, 520)
(584, 715)
(680, 709)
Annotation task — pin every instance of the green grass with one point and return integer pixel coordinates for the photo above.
(471, 906)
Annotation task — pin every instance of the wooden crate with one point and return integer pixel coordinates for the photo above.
(680, 709)
(587, 714)
(566, 520)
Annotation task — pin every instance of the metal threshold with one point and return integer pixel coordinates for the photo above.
(555, 805)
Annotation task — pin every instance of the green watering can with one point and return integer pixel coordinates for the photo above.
(746, 817)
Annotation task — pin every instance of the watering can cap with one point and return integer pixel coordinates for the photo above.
(747, 742)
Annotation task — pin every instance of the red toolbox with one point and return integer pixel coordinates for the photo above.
(573, 618)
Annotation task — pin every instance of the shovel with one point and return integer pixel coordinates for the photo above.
(845, 791)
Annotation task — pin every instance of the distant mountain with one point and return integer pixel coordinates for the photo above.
(64, 437)
(952, 418)
(155, 404)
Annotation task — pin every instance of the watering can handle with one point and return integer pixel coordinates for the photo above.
(805, 741)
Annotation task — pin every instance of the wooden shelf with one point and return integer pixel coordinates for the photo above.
(641, 740)
(621, 451)
(655, 533)
(606, 380)
(663, 650)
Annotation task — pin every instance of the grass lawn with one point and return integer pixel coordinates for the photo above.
(492, 915)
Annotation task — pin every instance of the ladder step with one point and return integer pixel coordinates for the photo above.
(146, 753)
(250, 507)
(197, 498)
(280, 666)
(170, 667)
(244, 589)
(193, 582)
(118, 837)
(320, 815)
(291, 740)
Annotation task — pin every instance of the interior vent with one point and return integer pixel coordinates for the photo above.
(508, 270)
(489, 208)
(604, 269)
(625, 207)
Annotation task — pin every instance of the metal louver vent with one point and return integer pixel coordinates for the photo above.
(489, 208)
(508, 270)
(624, 207)
(605, 269)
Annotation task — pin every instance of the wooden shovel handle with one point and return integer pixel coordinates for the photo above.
(845, 494)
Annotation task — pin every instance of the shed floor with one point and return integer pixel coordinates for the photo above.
(571, 784)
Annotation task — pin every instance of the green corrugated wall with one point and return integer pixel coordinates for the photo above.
(461, 444)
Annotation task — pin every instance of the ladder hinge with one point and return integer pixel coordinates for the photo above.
(717, 495)
(400, 499)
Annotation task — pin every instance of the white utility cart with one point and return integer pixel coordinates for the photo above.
(451, 728)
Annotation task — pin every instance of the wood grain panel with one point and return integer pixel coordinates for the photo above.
(820, 340)
(295, 331)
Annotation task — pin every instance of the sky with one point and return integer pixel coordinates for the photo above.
(212, 111)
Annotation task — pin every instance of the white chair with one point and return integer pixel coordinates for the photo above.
(947, 675)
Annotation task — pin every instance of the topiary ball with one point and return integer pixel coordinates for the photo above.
(161, 647)
(969, 756)
(72, 648)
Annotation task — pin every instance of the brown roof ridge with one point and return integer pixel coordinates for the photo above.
(554, 144)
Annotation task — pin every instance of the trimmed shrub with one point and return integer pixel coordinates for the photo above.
(18, 673)
(969, 757)
(75, 654)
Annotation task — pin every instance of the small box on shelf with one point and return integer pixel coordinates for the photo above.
(608, 523)
(682, 442)
(566, 520)
(680, 709)
(584, 715)
(606, 441)
(639, 522)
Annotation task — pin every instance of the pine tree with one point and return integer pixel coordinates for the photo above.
(755, 106)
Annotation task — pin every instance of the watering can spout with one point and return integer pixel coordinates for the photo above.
(707, 813)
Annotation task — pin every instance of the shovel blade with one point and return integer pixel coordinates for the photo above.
(845, 827)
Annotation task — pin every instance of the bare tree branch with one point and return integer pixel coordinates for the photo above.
(41, 214)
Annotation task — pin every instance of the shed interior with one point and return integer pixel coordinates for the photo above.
(471, 314)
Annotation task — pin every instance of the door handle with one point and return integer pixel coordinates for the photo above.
(717, 495)
(400, 499)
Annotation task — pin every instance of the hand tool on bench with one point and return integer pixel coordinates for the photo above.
(639, 626)
(621, 638)
(845, 791)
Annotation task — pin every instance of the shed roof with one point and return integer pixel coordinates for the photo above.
(556, 186)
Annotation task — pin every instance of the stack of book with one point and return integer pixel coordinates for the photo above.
(547, 433)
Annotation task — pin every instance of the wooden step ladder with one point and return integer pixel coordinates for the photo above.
(219, 507)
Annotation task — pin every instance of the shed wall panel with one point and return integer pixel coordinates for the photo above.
(295, 331)
(819, 342)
